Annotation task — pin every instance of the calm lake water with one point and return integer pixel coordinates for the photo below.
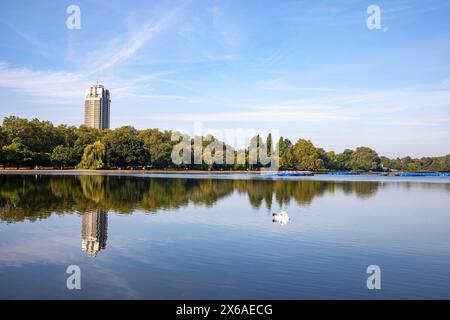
(197, 237)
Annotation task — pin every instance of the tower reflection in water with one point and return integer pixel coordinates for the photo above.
(94, 231)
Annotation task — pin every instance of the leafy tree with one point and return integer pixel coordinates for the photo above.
(332, 160)
(42, 159)
(38, 136)
(3, 138)
(390, 164)
(127, 150)
(40, 143)
(446, 163)
(94, 156)
(84, 137)
(2, 158)
(67, 134)
(285, 154)
(64, 156)
(257, 153)
(433, 164)
(240, 159)
(269, 144)
(406, 161)
(365, 159)
(159, 145)
(14, 127)
(343, 160)
(3, 142)
(110, 135)
(160, 155)
(306, 156)
(324, 157)
(16, 154)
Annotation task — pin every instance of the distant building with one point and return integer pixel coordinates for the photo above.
(94, 231)
(96, 107)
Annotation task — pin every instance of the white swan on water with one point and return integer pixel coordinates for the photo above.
(281, 217)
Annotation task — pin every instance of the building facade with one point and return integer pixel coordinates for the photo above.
(94, 231)
(97, 107)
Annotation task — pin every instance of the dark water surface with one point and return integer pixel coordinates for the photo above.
(193, 237)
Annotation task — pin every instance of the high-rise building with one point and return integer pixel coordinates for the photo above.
(94, 231)
(96, 107)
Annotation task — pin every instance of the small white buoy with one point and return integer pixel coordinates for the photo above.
(281, 217)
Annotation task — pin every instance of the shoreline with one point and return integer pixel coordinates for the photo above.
(206, 172)
(203, 172)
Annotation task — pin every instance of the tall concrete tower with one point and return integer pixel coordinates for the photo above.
(96, 107)
(94, 231)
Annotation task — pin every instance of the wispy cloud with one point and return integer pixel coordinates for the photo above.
(47, 84)
(27, 38)
(130, 44)
(278, 84)
(229, 34)
(67, 88)
(424, 97)
(297, 107)
(203, 58)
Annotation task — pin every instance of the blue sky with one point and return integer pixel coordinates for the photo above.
(309, 69)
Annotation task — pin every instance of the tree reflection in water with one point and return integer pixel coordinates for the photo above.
(34, 197)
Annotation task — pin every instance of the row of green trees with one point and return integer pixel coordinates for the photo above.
(433, 164)
(25, 143)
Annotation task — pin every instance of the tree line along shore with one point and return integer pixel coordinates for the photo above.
(40, 144)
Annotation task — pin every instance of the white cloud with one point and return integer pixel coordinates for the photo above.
(45, 84)
(67, 88)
